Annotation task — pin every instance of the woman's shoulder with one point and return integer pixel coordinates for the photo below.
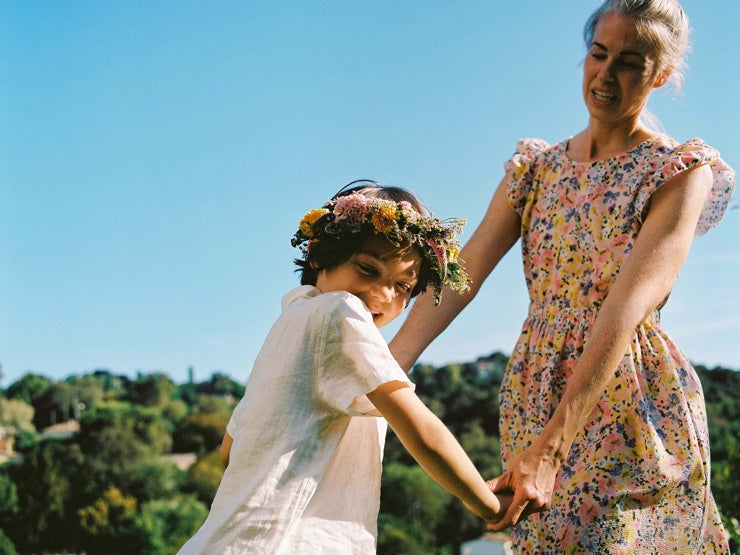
(666, 146)
(664, 158)
(667, 156)
(534, 146)
(530, 152)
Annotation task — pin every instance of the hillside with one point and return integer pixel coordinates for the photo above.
(104, 463)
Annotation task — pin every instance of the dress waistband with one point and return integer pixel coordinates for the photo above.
(558, 308)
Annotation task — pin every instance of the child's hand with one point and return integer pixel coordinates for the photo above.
(495, 510)
(504, 499)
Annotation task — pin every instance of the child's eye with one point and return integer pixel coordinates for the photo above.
(405, 287)
(366, 269)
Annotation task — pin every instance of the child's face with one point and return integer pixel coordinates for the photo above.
(381, 275)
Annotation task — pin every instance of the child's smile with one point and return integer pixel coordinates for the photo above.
(380, 274)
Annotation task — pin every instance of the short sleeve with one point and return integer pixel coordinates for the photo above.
(692, 154)
(231, 426)
(354, 359)
(520, 171)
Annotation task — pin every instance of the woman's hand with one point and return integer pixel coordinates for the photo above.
(531, 477)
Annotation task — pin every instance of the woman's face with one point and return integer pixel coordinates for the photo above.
(618, 73)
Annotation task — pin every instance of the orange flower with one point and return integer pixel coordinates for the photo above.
(310, 219)
(384, 219)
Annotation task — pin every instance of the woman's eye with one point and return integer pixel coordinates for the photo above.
(405, 287)
(598, 55)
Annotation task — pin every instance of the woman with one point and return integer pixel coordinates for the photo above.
(603, 425)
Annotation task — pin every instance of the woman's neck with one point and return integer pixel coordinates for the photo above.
(600, 142)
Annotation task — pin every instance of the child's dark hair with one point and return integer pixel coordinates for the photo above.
(330, 252)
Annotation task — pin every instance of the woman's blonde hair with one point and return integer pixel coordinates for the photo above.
(661, 24)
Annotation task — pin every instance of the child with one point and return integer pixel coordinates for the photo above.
(305, 451)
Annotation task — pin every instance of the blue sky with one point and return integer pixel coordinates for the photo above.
(155, 158)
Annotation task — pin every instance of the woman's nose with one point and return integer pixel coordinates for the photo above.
(606, 72)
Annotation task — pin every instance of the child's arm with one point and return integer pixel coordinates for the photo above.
(435, 448)
(226, 449)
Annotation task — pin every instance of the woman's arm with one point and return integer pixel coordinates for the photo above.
(435, 448)
(643, 282)
(495, 235)
(226, 449)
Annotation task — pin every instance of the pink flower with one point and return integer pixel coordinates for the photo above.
(353, 208)
(408, 211)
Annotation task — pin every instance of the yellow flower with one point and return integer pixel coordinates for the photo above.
(310, 219)
(384, 219)
(452, 254)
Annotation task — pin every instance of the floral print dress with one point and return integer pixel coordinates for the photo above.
(637, 476)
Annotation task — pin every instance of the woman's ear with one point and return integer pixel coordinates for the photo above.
(662, 78)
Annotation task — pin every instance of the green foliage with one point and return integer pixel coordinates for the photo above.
(114, 387)
(118, 439)
(108, 524)
(199, 433)
(151, 390)
(29, 388)
(146, 424)
(66, 400)
(174, 411)
(6, 545)
(46, 483)
(16, 416)
(153, 478)
(169, 523)
(8, 496)
(412, 507)
(221, 385)
(216, 405)
(109, 490)
(205, 476)
(396, 536)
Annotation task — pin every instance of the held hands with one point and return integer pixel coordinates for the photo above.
(530, 477)
(493, 511)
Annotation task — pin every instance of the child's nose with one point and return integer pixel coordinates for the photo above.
(383, 293)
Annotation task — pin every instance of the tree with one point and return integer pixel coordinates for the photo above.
(8, 497)
(409, 494)
(6, 545)
(29, 388)
(199, 433)
(108, 524)
(174, 411)
(169, 523)
(153, 478)
(151, 390)
(16, 416)
(205, 476)
(117, 439)
(48, 485)
(213, 404)
(221, 385)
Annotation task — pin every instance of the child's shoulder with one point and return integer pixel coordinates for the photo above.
(338, 304)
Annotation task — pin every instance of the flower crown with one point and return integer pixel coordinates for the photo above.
(400, 223)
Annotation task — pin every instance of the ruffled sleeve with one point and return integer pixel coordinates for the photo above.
(691, 154)
(521, 169)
